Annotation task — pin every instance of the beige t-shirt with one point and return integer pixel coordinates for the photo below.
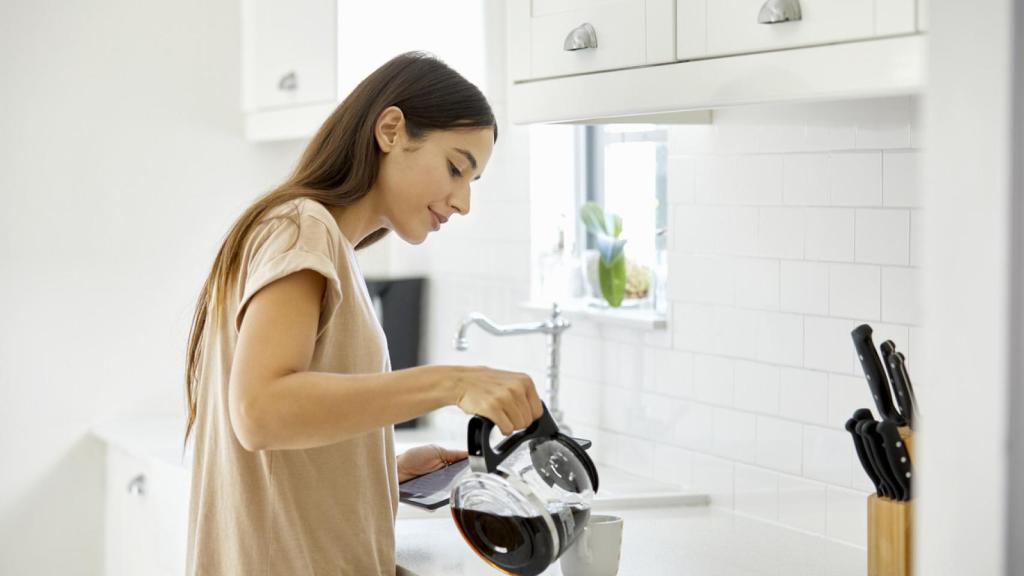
(323, 511)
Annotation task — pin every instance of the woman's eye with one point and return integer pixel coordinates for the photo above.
(453, 170)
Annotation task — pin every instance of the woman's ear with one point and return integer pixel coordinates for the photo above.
(389, 128)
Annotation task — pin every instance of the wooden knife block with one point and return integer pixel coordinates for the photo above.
(891, 529)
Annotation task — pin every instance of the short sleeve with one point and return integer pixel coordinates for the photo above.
(291, 238)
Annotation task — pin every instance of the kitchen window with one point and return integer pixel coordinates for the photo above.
(621, 167)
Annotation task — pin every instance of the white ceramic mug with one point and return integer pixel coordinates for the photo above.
(596, 552)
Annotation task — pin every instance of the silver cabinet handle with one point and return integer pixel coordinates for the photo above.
(777, 11)
(582, 37)
(288, 83)
(137, 485)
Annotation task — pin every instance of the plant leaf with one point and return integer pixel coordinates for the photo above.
(613, 280)
(593, 218)
(609, 247)
(613, 224)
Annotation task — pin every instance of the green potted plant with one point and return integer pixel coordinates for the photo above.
(611, 267)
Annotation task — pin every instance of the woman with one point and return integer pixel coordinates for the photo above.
(289, 387)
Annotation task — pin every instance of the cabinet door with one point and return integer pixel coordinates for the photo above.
(371, 33)
(169, 505)
(288, 53)
(629, 33)
(129, 533)
(732, 26)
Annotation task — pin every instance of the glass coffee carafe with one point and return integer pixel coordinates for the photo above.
(523, 503)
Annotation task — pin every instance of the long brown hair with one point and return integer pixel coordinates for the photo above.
(340, 164)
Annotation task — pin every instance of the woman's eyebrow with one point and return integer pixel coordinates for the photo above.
(469, 156)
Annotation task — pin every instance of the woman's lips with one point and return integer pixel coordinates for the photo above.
(438, 219)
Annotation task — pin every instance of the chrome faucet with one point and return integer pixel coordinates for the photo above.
(552, 328)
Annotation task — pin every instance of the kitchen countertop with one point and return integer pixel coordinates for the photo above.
(664, 533)
(671, 541)
(159, 437)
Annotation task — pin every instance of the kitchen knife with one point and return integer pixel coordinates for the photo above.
(875, 458)
(910, 386)
(897, 456)
(899, 386)
(862, 455)
(874, 373)
(873, 441)
(887, 348)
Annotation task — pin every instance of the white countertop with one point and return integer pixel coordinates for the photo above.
(159, 438)
(671, 541)
(661, 534)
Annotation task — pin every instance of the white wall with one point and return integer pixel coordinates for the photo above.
(121, 167)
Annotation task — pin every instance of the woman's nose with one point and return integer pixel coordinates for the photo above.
(460, 201)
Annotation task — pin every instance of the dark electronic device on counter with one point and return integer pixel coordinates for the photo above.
(399, 307)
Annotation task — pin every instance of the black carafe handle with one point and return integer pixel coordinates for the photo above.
(482, 457)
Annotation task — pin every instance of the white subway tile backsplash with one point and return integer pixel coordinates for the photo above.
(681, 179)
(803, 395)
(757, 283)
(847, 516)
(668, 372)
(916, 237)
(623, 365)
(757, 493)
(885, 124)
(855, 291)
(780, 338)
(830, 234)
(713, 380)
(847, 394)
(695, 427)
(707, 279)
(804, 287)
(779, 445)
(714, 476)
(855, 179)
(827, 455)
(781, 232)
(827, 344)
(759, 180)
(788, 226)
(735, 435)
(618, 409)
(806, 180)
(802, 504)
(901, 295)
(900, 182)
(756, 387)
(673, 465)
(883, 237)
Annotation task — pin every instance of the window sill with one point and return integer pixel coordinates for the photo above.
(579, 309)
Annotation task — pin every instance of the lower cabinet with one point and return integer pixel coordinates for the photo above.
(146, 516)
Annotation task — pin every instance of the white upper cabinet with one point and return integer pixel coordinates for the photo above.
(300, 59)
(724, 27)
(589, 61)
(288, 53)
(562, 37)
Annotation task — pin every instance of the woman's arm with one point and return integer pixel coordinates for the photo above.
(275, 402)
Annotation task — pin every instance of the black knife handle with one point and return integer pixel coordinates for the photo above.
(897, 455)
(862, 455)
(874, 373)
(899, 386)
(910, 385)
(877, 459)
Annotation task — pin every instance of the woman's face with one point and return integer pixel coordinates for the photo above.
(422, 183)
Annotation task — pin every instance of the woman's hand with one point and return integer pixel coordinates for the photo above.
(423, 459)
(509, 399)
